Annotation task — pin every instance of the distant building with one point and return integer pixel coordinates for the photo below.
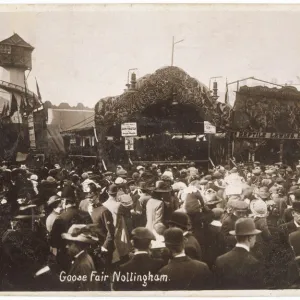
(71, 131)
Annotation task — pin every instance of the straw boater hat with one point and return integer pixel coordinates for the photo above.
(76, 233)
(125, 200)
(177, 186)
(120, 180)
(259, 208)
(244, 227)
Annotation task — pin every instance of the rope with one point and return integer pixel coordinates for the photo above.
(80, 122)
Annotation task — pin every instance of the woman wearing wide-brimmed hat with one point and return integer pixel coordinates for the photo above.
(78, 240)
(259, 213)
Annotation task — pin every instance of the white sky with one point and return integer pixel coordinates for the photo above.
(83, 53)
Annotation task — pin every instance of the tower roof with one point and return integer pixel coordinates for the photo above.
(16, 40)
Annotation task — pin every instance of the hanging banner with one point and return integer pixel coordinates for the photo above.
(129, 143)
(209, 128)
(129, 129)
(267, 135)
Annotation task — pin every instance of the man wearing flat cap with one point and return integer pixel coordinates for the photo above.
(183, 272)
(141, 263)
(238, 269)
(238, 209)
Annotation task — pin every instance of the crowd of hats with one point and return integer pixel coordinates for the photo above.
(251, 192)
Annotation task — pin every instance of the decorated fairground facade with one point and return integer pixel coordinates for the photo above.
(170, 110)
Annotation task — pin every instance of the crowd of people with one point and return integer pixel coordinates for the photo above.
(149, 228)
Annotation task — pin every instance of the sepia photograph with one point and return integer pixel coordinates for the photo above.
(149, 148)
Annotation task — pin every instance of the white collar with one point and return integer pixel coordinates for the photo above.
(180, 255)
(238, 245)
(297, 225)
(78, 254)
(216, 223)
(140, 252)
(70, 205)
(185, 233)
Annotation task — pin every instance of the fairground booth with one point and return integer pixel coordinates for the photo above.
(165, 118)
(266, 124)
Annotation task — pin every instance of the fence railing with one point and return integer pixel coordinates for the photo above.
(14, 87)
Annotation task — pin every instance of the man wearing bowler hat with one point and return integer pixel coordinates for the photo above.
(183, 272)
(191, 245)
(238, 269)
(141, 263)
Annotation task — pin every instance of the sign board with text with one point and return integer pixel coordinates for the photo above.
(129, 129)
(209, 128)
(267, 135)
(129, 143)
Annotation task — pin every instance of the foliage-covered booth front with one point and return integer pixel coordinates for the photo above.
(170, 108)
(266, 122)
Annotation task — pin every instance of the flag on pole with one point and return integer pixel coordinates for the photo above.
(28, 108)
(22, 106)
(39, 93)
(226, 94)
(5, 110)
(14, 105)
(38, 90)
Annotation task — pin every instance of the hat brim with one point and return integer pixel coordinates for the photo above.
(253, 232)
(213, 202)
(80, 238)
(23, 217)
(127, 204)
(54, 201)
(178, 224)
(27, 206)
(162, 190)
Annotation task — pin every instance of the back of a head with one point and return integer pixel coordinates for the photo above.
(174, 240)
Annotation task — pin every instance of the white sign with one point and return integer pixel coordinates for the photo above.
(129, 129)
(129, 143)
(209, 128)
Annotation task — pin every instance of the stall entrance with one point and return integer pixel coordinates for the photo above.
(166, 132)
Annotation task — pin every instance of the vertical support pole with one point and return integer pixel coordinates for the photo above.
(31, 131)
(228, 147)
(172, 57)
(281, 151)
